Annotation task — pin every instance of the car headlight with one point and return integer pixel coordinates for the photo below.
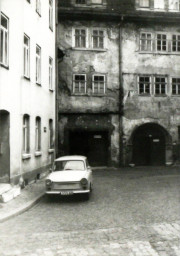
(48, 183)
(84, 182)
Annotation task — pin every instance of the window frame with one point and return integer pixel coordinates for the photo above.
(26, 56)
(26, 133)
(166, 40)
(80, 86)
(177, 43)
(146, 41)
(86, 38)
(144, 89)
(51, 134)
(51, 14)
(176, 84)
(98, 38)
(38, 65)
(50, 73)
(104, 84)
(38, 134)
(160, 84)
(4, 58)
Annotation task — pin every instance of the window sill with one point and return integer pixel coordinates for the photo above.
(51, 90)
(159, 53)
(175, 95)
(38, 153)
(26, 156)
(160, 95)
(51, 150)
(144, 95)
(88, 94)
(89, 49)
(4, 66)
(27, 78)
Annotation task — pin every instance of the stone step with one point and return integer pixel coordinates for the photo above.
(9, 195)
(4, 187)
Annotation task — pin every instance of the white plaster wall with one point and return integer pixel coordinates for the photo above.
(20, 96)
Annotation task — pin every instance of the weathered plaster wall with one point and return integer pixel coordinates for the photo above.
(163, 110)
(89, 62)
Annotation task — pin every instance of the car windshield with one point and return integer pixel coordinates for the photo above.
(69, 165)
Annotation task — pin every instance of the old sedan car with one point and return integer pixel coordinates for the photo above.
(70, 175)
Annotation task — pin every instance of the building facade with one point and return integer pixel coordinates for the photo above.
(27, 88)
(119, 81)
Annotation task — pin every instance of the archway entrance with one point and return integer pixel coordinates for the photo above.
(149, 145)
(4, 147)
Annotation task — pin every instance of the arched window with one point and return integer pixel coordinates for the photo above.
(38, 134)
(26, 133)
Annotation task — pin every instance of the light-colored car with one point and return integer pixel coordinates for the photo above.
(70, 175)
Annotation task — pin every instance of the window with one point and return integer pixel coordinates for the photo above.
(175, 86)
(96, 1)
(98, 38)
(176, 43)
(174, 5)
(51, 14)
(144, 84)
(146, 41)
(144, 3)
(38, 6)
(159, 4)
(26, 55)
(4, 40)
(38, 134)
(99, 86)
(38, 64)
(50, 73)
(80, 1)
(51, 144)
(80, 38)
(160, 85)
(79, 83)
(26, 133)
(161, 42)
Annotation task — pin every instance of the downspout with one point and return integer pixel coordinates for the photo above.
(121, 94)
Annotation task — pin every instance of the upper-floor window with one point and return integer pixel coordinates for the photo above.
(144, 84)
(38, 134)
(80, 38)
(161, 42)
(144, 3)
(38, 6)
(176, 43)
(26, 134)
(50, 73)
(98, 84)
(4, 27)
(51, 14)
(98, 38)
(145, 41)
(160, 84)
(79, 83)
(175, 86)
(174, 5)
(96, 1)
(38, 64)
(26, 56)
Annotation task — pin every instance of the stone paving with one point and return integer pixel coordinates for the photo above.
(113, 223)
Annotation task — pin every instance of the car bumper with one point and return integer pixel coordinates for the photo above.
(69, 192)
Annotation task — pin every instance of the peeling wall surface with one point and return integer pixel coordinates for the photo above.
(152, 107)
(98, 111)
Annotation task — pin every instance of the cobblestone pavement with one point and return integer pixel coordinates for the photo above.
(127, 215)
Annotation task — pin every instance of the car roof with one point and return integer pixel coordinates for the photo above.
(72, 157)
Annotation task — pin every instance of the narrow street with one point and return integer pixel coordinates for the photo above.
(129, 213)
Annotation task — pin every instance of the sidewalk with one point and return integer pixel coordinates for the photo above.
(28, 197)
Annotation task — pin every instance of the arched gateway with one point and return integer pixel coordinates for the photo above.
(149, 144)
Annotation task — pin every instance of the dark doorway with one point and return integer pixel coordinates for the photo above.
(149, 145)
(92, 144)
(4, 147)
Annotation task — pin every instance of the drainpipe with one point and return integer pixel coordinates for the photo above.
(121, 161)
